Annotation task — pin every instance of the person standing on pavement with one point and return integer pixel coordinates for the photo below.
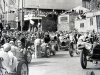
(37, 45)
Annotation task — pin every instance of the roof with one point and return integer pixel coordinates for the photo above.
(78, 8)
(92, 13)
(51, 4)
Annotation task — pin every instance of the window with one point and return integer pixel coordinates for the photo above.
(91, 21)
(81, 25)
(98, 21)
(64, 19)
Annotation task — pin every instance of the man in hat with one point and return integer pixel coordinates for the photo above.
(8, 57)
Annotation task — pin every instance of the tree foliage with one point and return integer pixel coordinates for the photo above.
(49, 23)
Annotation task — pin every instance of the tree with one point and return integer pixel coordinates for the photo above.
(49, 23)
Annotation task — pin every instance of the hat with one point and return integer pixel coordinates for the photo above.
(18, 41)
(6, 47)
(11, 42)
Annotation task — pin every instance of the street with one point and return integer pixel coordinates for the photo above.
(61, 64)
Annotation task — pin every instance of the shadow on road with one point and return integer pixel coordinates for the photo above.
(39, 63)
(60, 56)
(64, 55)
(93, 69)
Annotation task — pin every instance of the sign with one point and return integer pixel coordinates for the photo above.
(64, 19)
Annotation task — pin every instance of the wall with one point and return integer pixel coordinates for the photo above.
(64, 24)
(87, 26)
(86, 4)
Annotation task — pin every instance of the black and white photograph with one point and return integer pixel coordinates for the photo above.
(49, 37)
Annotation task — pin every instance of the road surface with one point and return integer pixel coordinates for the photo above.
(61, 64)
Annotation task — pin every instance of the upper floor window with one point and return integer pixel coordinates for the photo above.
(91, 21)
(81, 25)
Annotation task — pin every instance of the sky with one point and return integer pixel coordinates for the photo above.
(52, 4)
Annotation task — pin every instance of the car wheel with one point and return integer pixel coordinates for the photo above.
(22, 68)
(53, 52)
(83, 60)
(71, 53)
(29, 57)
(78, 53)
(56, 47)
(47, 53)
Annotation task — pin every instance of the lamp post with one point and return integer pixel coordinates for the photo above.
(38, 13)
(18, 14)
(22, 17)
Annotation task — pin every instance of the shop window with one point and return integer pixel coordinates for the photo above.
(98, 21)
(64, 19)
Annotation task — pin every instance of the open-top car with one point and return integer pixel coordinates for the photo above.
(64, 43)
(89, 52)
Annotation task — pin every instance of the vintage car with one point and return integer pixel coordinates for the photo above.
(64, 43)
(89, 52)
(45, 50)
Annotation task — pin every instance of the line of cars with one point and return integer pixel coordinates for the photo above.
(46, 50)
(67, 45)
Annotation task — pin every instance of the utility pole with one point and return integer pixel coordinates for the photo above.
(22, 17)
(18, 13)
(3, 13)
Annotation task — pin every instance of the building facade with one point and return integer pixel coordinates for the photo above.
(86, 3)
(66, 21)
(90, 23)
